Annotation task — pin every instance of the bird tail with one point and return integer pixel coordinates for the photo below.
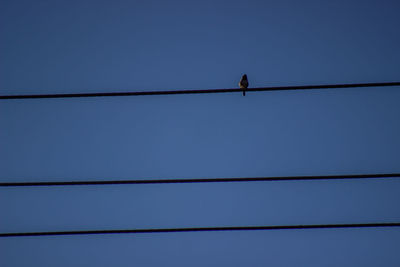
(244, 92)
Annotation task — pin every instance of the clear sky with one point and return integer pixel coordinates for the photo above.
(103, 46)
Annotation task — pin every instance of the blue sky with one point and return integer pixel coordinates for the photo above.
(105, 46)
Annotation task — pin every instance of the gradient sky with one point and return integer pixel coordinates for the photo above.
(104, 46)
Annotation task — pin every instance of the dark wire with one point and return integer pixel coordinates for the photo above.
(207, 180)
(204, 91)
(204, 229)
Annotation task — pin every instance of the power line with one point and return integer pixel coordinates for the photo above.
(204, 229)
(204, 91)
(207, 180)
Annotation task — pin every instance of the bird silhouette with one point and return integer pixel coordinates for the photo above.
(244, 83)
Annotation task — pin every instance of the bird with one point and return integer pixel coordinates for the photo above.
(244, 83)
